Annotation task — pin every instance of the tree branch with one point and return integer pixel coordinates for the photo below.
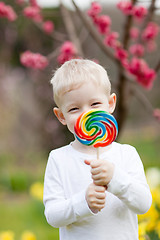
(55, 35)
(148, 18)
(71, 29)
(157, 68)
(95, 35)
(127, 27)
(53, 54)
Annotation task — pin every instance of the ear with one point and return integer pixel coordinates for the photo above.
(112, 102)
(59, 115)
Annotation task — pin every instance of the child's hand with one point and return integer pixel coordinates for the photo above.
(101, 170)
(95, 197)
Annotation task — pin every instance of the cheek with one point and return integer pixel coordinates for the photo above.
(70, 123)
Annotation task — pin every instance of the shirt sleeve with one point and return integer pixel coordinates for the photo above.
(59, 210)
(130, 184)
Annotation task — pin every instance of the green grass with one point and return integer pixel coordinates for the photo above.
(21, 213)
(146, 143)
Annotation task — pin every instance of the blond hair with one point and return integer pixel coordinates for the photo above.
(72, 74)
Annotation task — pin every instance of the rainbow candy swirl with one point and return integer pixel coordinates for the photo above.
(97, 128)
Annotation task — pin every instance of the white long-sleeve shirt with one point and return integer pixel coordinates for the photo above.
(66, 179)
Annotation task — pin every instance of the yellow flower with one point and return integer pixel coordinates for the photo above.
(7, 235)
(156, 196)
(153, 177)
(28, 236)
(142, 238)
(151, 225)
(151, 215)
(158, 228)
(142, 228)
(36, 190)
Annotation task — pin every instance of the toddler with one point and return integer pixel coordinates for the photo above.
(86, 198)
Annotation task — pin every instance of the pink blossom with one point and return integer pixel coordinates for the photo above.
(137, 49)
(33, 60)
(111, 39)
(33, 13)
(68, 48)
(134, 32)
(103, 23)
(125, 63)
(33, 3)
(156, 113)
(144, 75)
(151, 46)
(139, 12)
(126, 7)
(7, 11)
(67, 52)
(150, 32)
(62, 58)
(121, 54)
(94, 10)
(48, 27)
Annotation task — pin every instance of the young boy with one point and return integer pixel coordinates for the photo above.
(90, 199)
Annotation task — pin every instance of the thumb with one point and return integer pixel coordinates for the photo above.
(87, 161)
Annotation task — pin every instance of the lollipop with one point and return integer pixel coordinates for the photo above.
(97, 128)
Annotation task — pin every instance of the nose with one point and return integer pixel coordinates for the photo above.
(86, 108)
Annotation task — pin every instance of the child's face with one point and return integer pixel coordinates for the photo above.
(87, 96)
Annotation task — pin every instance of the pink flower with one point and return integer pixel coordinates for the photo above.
(33, 3)
(33, 60)
(156, 113)
(48, 27)
(111, 39)
(139, 12)
(33, 13)
(121, 54)
(144, 75)
(62, 58)
(103, 23)
(126, 7)
(7, 11)
(67, 52)
(150, 32)
(146, 80)
(137, 49)
(125, 63)
(151, 46)
(68, 48)
(134, 32)
(94, 10)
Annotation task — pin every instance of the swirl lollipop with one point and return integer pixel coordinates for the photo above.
(97, 128)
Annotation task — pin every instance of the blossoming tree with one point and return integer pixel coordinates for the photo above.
(127, 52)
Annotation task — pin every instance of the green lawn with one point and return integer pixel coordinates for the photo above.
(147, 144)
(22, 213)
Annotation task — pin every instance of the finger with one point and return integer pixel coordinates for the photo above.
(95, 171)
(100, 195)
(97, 177)
(87, 161)
(99, 188)
(95, 163)
(99, 182)
(98, 205)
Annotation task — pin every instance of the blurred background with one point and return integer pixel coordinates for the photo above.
(29, 130)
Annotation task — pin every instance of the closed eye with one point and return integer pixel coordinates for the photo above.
(95, 104)
(73, 109)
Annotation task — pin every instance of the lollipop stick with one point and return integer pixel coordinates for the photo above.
(98, 153)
